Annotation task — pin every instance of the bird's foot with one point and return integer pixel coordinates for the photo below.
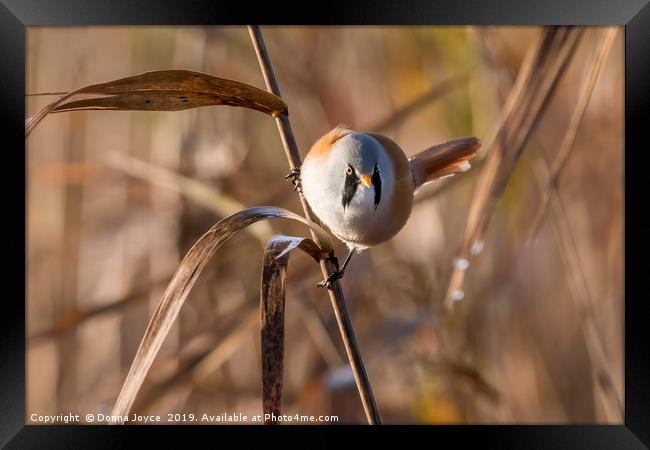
(336, 275)
(294, 176)
(329, 281)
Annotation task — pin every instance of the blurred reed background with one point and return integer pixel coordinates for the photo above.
(110, 214)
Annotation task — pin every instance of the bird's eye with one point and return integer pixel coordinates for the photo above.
(349, 170)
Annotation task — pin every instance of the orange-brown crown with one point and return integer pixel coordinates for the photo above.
(323, 145)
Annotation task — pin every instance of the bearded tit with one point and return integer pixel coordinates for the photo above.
(361, 185)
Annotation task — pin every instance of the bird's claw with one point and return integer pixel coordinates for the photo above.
(337, 275)
(294, 176)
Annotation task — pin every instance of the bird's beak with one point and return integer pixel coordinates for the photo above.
(366, 181)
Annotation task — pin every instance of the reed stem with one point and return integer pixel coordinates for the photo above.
(327, 267)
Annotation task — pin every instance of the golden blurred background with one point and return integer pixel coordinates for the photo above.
(115, 199)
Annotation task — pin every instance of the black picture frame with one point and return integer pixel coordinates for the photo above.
(16, 15)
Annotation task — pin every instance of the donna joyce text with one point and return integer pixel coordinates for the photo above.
(175, 418)
(144, 419)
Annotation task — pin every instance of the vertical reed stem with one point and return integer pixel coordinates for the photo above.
(327, 267)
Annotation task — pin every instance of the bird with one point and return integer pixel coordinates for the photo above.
(361, 185)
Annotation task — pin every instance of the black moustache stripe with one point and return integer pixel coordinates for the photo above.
(351, 184)
(376, 182)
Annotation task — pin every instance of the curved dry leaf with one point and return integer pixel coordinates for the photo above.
(272, 295)
(165, 90)
(184, 279)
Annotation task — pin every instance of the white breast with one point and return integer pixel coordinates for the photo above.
(359, 224)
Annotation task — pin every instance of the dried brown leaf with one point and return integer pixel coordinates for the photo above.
(272, 295)
(165, 90)
(184, 279)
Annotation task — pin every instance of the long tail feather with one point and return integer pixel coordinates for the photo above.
(443, 159)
